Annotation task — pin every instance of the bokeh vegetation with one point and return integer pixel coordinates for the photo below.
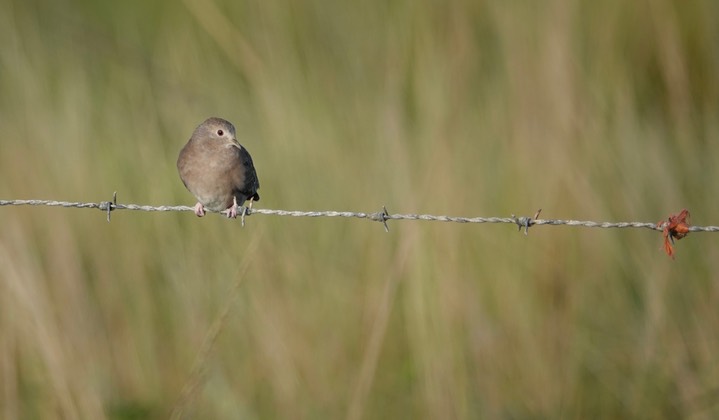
(593, 110)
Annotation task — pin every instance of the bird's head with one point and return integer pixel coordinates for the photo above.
(216, 129)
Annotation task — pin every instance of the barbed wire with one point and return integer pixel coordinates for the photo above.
(381, 216)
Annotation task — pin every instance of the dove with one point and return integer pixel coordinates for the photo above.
(217, 169)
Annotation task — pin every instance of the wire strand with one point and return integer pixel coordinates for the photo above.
(381, 216)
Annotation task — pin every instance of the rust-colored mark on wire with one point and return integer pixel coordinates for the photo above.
(677, 226)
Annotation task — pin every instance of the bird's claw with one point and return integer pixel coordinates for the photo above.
(199, 209)
(232, 211)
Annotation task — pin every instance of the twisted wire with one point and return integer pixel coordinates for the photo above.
(381, 216)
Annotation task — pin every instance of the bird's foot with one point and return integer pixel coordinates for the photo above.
(199, 209)
(232, 211)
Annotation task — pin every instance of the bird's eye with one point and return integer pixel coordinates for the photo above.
(220, 133)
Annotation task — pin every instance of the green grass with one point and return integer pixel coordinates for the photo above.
(589, 110)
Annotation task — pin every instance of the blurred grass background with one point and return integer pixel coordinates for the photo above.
(590, 110)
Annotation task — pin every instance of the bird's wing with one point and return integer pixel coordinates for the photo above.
(244, 176)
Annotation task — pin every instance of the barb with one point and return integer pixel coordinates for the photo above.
(382, 216)
(526, 222)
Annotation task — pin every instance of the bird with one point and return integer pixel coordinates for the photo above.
(217, 169)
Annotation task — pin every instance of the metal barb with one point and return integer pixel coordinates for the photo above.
(380, 217)
(526, 222)
(112, 207)
(108, 206)
(246, 211)
(384, 218)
